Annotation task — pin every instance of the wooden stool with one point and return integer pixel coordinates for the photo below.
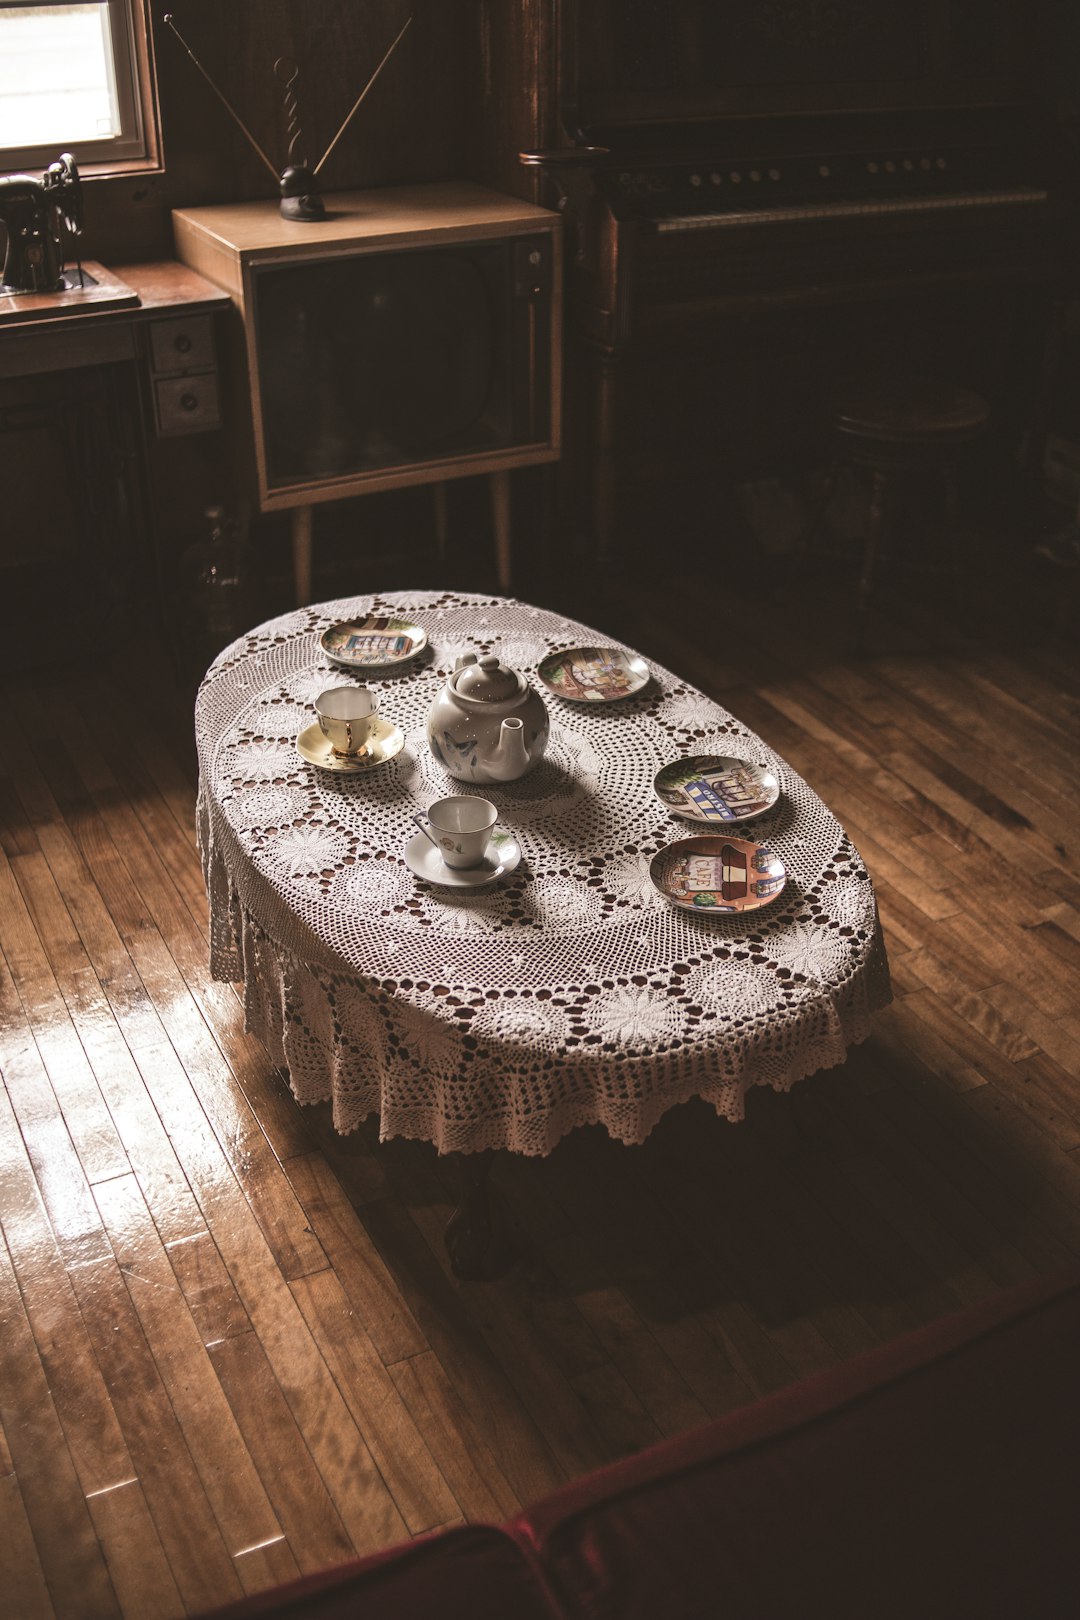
(894, 431)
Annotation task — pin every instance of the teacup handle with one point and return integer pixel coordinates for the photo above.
(424, 824)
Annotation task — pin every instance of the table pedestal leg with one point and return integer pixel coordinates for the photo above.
(302, 539)
(479, 1249)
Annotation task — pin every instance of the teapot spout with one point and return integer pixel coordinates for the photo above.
(510, 759)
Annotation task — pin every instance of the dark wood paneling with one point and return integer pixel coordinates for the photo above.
(410, 127)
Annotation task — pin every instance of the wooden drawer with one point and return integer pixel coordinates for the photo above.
(187, 404)
(186, 344)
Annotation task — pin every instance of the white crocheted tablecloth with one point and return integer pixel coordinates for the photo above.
(569, 993)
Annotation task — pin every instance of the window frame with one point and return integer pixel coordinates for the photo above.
(138, 147)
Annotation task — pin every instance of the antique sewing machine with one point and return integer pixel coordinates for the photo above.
(36, 215)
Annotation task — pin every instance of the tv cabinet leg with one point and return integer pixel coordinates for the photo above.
(302, 529)
(440, 505)
(605, 472)
(500, 522)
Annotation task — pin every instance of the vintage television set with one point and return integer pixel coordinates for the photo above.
(412, 336)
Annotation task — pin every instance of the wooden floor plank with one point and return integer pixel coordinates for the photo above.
(1058, 1038)
(498, 1425)
(1009, 835)
(397, 1446)
(45, 1037)
(232, 1485)
(796, 1229)
(164, 766)
(146, 876)
(900, 867)
(440, 1413)
(1053, 696)
(290, 1476)
(175, 1495)
(1010, 951)
(359, 1495)
(137, 1563)
(267, 1563)
(534, 1369)
(82, 1401)
(137, 995)
(147, 825)
(663, 1375)
(215, 1306)
(944, 696)
(85, 898)
(615, 1411)
(235, 1124)
(22, 1579)
(363, 1274)
(68, 1550)
(58, 1169)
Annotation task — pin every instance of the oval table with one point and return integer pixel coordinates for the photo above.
(571, 991)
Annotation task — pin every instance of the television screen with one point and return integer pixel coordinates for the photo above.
(383, 359)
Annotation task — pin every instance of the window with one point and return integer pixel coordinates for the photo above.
(75, 78)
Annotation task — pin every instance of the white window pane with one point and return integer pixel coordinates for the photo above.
(56, 75)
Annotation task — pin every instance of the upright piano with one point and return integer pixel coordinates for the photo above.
(763, 196)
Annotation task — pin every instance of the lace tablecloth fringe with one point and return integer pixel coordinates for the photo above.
(296, 1011)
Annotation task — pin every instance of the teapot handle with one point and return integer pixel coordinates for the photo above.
(463, 660)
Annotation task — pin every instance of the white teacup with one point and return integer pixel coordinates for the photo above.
(460, 827)
(347, 717)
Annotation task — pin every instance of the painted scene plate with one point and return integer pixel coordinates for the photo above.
(713, 874)
(373, 643)
(715, 789)
(593, 674)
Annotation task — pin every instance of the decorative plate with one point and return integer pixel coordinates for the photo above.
(713, 874)
(593, 674)
(713, 788)
(504, 854)
(385, 741)
(373, 643)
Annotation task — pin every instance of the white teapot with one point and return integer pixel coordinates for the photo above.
(487, 724)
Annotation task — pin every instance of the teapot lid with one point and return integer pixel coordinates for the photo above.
(487, 681)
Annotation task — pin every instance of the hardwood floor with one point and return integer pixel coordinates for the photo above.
(230, 1346)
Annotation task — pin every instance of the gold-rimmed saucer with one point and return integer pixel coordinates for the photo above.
(385, 741)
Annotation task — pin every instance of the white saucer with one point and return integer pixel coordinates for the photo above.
(423, 858)
(385, 741)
